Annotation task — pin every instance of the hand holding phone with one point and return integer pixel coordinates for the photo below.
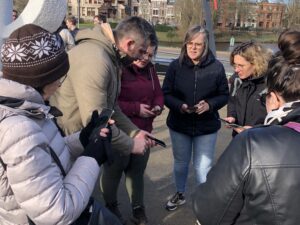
(231, 125)
(192, 109)
(157, 141)
(102, 122)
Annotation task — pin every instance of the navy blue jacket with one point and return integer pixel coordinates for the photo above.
(189, 84)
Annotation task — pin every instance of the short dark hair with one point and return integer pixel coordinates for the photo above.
(132, 26)
(283, 74)
(151, 36)
(72, 19)
(103, 18)
(16, 12)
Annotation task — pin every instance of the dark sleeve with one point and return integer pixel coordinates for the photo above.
(158, 94)
(231, 110)
(171, 101)
(222, 93)
(220, 199)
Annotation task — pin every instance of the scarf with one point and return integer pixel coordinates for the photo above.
(278, 115)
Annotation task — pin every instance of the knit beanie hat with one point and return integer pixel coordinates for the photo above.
(34, 57)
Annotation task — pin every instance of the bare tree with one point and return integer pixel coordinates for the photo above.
(145, 9)
(292, 13)
(188, 13)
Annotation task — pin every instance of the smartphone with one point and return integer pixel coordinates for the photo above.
(155, 110)
(105, 116)
(232, 125)
(102, 122)
(157, 141)
(192, 108)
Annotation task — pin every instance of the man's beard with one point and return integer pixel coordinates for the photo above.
(126, 60)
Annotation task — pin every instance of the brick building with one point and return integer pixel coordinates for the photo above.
(270, 15)
(250, 14)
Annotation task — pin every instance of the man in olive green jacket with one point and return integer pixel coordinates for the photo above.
(93, 81)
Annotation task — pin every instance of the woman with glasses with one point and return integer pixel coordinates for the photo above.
(257, 179)
(195, 88)
(141, 100)
(250, 62)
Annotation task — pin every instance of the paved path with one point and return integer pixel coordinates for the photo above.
(159, 181)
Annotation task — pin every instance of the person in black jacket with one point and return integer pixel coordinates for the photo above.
(250, 62)
(257, 179)
(195, 88)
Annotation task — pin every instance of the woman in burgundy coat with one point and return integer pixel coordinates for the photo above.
(141, 99)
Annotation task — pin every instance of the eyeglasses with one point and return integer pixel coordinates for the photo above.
(238, 66)
(194, 44)
(62, 79)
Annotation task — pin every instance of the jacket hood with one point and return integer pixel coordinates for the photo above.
(19, 99)
(101, 35)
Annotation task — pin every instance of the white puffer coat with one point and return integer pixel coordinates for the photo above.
(32, 183)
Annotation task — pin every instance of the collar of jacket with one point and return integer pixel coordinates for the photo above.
(19, 99)
(208, 59)
(140, 71)
(255, 80)
(289, 112)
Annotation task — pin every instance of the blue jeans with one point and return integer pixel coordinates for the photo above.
(184, 146)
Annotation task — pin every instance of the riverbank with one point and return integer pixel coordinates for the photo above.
(224, 37)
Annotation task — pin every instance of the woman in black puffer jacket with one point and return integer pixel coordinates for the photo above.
(195, 88)
(257, 179)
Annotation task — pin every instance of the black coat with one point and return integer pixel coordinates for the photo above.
(244, 101)
(256, 180)
(189, 83)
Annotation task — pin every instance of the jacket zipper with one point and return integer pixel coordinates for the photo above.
(194, 100)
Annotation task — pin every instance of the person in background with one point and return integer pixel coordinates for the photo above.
(99, 19)
(15, 14)
(43, 176)
(257, 179)
(195, 88)
(250, 62)
(141, 99)
(71, 23)
(66, 36)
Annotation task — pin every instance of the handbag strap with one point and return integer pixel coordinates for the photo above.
(57, 161)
